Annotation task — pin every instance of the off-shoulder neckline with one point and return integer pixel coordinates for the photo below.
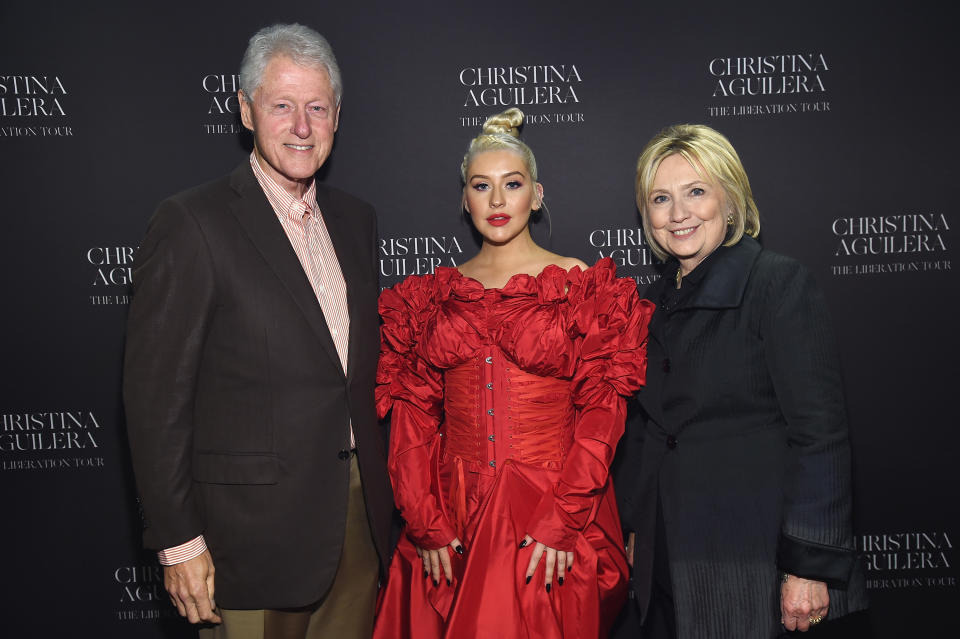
(601, 263)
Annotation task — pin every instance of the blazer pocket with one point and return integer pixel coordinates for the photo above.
(236, 468)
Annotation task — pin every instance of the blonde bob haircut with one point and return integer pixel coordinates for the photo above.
(500, 132)
(715, 160)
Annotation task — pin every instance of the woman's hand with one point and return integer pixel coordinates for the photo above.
(556, 562)
(803, 603)
(631, 540)
(437, 559)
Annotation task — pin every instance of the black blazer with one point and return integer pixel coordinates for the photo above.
(237, 405)
(743, 436)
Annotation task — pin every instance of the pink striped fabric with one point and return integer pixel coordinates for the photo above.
(183, 552)
(303, 222)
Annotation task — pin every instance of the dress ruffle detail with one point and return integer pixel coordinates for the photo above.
(548, 429)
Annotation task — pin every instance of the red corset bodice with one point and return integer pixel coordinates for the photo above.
(496, 411)
(525, 382)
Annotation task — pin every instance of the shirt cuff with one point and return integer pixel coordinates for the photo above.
(184, 552)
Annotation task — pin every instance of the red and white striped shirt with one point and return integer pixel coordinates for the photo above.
(302, 221)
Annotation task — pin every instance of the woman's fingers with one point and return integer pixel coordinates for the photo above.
(444, 555)
(550, 558)
(556, 564)
(424, 560)
(437, 564)
(538, 549)
(434, 565)
(803, 603)
(561, 566)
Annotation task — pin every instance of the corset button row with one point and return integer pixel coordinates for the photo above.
(489, 360)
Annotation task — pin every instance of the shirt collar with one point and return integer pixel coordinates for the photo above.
(282, 202)
(723, 282)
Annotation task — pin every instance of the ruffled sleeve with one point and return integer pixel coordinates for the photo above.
(411, 388)
(610, 320)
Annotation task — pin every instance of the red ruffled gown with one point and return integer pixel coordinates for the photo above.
(507, 407)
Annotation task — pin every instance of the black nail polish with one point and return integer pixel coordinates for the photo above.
(448, 583)
(529, 578)
(459, 550)
(436, 583)
(426, 573)
(523, 543)
(548, 587)
(560, 580)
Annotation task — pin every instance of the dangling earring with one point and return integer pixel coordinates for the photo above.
(730, 219)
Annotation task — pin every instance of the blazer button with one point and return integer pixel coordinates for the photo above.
(671, 442)
(344, 455)
(666, 365)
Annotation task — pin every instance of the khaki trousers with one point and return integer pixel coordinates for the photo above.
(345, 612)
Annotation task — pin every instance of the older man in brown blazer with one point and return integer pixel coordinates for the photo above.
(249, 373)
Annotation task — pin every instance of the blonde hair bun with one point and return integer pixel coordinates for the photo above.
(501, 132)
(506, 123)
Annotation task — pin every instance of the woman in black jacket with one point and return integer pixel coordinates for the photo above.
(736, 482)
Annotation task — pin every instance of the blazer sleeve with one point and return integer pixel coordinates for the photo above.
(816, 535)
(171, 310)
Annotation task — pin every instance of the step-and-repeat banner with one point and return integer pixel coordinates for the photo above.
(843, 116)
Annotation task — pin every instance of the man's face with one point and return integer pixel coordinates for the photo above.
(293, 116)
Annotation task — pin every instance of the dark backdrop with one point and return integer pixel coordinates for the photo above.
(842, 116)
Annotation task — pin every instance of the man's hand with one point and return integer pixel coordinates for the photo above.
(190, 585)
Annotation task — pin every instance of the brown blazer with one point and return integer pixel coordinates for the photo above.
(238, 410)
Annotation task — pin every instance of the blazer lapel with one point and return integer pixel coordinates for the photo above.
(723, 286)
(259, 221)
(655, 294)
(343, 235)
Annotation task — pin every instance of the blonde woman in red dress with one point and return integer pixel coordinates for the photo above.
(506, 379)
